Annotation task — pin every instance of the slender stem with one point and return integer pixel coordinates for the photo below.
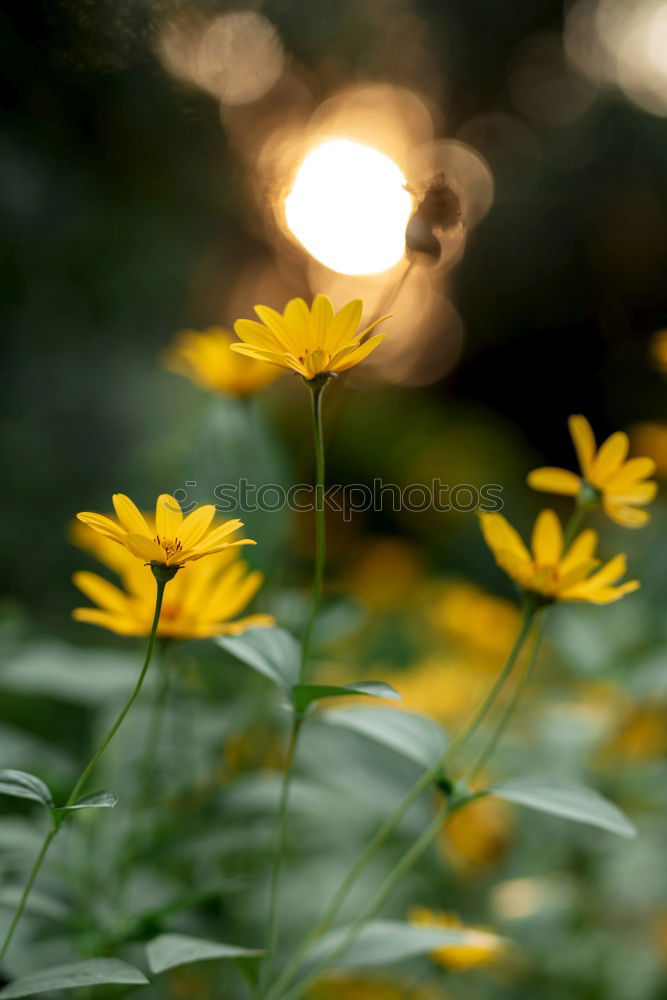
(574, 523)
(281, 845)
(514, 701)
(57, 819)
(427, 778)
(375, 904)
(317, 389)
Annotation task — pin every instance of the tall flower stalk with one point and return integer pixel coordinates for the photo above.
(162, 576)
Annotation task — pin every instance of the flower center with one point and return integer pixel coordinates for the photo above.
(171, 546)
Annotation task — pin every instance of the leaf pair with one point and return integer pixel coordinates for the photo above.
(22, 785)
(276, 654)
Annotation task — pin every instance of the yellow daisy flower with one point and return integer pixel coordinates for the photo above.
(206, 359)
(311, 342)
(479, 947)
(200, 603)
(550, 571)
(619, 484)
(171, 540)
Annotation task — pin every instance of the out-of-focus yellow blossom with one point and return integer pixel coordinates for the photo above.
(481, 946)
(170, 539)
(341, 987)
(205, 358)
(658, 350)
(475, 619)
(551, 571)
(622, 485)
(642, 735)
(479, 834)
(201, 601)
(386, 575)
(445, 689)
(651, 439)
(310, 342)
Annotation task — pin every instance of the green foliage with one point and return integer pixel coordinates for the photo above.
(22, 785)
(303, 695)
(413, 736)
(171, 950)
(92, 972)
(384, 942)
(582, 805)
(95, 800)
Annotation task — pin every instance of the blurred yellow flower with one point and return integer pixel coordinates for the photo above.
(477, 620)
(620, 485)
(481, 947)
(550, 571)
(342, 987)
(444, 688)
(651, 439)
(386, 574)
(171, 540)
(199, 603)
(642, 735)
(206, 359)
(658, 349)
(479, 834)
(311, 342)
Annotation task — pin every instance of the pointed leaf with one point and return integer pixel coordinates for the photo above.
(550, 795)
(414, 736)
(92, 972)
(169, 950)
(271, 651)
(304, 694)
(384, 941)
(22, 785)
(96, 800)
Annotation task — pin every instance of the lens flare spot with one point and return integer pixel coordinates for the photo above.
(349, 208)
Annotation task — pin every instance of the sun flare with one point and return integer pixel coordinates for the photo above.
(349, 207)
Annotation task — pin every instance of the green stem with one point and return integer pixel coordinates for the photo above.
(57, 819)
(281, 844)
(375, 904)
(514, 701)
(427, 778)
(576, 518)
(317, 388)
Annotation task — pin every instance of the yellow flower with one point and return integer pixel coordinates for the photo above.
(476, 620)
(651, 439)
(479, 947)
(343, 987)
(479, 834)
(199, 603)
(621, 485)
(311, 342)
(172, 539)
(207, 360)
(549, 570)
(658, 350)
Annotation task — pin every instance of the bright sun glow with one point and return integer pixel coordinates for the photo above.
(349, 208)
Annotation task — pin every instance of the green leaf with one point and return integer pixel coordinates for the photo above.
(38, 903)
(550, 795)
(304, 694)
(22, 785)
(414, 736)
(272, 652)
(384, 941)
(169, 950)
(96, 800)
(92, 972)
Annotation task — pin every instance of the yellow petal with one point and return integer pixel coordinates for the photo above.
(119, 624)
(361, 352)
(101, 592)
(281, 360)
(581, 550)
(285, 336)
(321, 318)
(501, 536)
(253, 333)
(102, 524)
(583, 440)
(609, 458)
(129, 515)
(145, 548)
(639, 493)
(636, 468)
(195, 525)
(168, 516)
(629, 517)
(547, 540)
(251, 621)
(316, 362)
(221, 532)
(344, 326)
(551, 480)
